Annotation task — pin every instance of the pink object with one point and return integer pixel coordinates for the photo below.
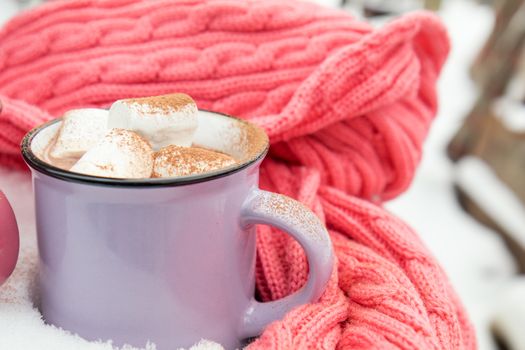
(9, 243)
(346, 106)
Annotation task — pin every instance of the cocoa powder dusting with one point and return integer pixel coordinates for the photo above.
(247, 144)
(130, 139)
(108, 167)
(292, 212)
(182, 161)
(165, 103)
(252, 140)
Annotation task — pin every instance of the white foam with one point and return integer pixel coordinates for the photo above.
(221, 133)
(120, 154)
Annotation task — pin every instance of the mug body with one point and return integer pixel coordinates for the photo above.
(165, 261)
(170, 265)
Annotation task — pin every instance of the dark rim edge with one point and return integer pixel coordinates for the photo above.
(47, 169)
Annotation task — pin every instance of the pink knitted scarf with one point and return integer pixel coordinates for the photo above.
(346, 106)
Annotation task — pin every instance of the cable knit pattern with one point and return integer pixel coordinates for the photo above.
(346, 106)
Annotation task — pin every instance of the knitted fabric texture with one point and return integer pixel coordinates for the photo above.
(346, 107)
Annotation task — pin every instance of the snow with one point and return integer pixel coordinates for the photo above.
(511, 107)
(474, 176)
(7, 9)
(510, 315)
(512, 113)
(329, 3)
(475, 258)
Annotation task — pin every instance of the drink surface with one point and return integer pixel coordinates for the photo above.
(136, 139)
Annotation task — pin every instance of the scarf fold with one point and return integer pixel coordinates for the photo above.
(347, 108)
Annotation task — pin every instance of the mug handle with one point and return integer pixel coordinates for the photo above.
(292, 217)
(9, 241)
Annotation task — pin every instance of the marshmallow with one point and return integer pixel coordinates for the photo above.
(162, 120)
(120, 154)
(81, 129)
(181, 161)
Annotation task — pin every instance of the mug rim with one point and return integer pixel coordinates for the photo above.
(34, 162)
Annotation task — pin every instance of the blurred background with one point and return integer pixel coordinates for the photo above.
(468, 198)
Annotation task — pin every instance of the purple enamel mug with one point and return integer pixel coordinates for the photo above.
(167, 261)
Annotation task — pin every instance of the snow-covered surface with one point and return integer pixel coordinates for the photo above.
(480, 182)
(509, 319)
(474, 257)
(7, 9)
(511, 113)
(329, 3)
(397, 6)
(511, 107)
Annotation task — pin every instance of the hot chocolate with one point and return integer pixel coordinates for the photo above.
(137, 138)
